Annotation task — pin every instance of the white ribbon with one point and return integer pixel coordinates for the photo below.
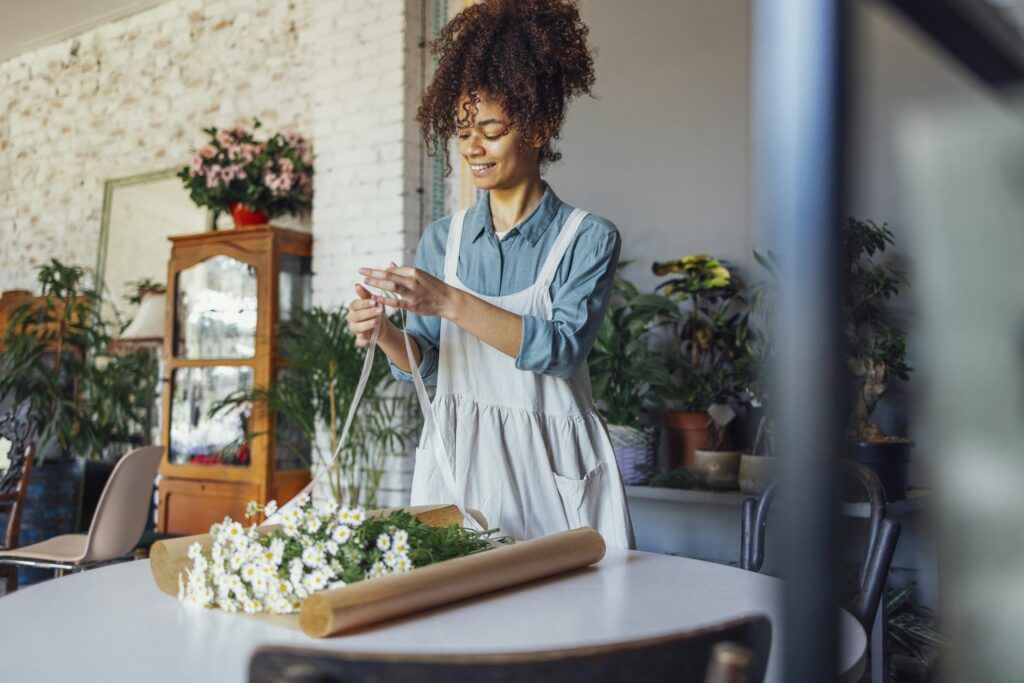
(441, 453)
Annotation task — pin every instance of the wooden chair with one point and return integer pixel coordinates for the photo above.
(883, 533)
(115, 529)
(679, 658)
(15, 428)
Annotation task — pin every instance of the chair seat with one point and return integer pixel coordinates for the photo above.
(66, 548)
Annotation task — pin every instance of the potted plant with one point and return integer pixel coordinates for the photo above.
(708, 358)
(874, 351)
(313, 393)
(623, 371)
(55, 357)
(759, 466)
(255, 180)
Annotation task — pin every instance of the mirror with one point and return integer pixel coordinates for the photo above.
(139, 214)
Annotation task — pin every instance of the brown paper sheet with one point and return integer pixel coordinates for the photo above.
(343, 609)
(360, 604)
(168, 559)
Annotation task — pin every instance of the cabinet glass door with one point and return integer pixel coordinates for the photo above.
(197, 438)
(215, 310)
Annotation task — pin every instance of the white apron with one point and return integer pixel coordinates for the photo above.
(527, 450)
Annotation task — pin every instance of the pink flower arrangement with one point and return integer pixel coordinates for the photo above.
(273, 175)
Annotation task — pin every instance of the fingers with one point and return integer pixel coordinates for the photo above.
(393, 303)
(362, 292)
(401, 275)
(388, 285)
(363, 309)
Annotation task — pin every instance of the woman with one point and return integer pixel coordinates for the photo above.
(505, 299)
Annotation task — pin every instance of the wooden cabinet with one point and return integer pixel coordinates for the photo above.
(226, 293)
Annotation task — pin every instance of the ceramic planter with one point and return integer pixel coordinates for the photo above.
(757, 472)
(687, 433)
(889, 460)
(243, 217)
(719, 469)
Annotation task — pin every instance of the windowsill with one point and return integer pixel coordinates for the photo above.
(916, 499)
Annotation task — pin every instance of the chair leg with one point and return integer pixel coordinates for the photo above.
(10, 572)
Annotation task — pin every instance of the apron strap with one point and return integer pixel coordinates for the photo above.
(432, 431)
(454, 246)
(364, 376)
(440, 452)
(566, 234)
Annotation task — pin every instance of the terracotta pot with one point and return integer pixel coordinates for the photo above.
(719, 469)
(243, 217)
(757, 472)
(687, 432)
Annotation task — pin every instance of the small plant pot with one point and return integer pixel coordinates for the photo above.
(718, 470)
(757, 472)
(244, 218)
(633, 446)
(687, 433)
(890, 461)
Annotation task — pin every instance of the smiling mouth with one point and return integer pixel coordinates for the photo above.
(479, 169)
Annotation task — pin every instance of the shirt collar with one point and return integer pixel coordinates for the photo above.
(532, 227)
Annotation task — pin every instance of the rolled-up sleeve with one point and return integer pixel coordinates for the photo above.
(426, 330)
(560, 345)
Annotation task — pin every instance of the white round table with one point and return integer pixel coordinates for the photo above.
(113, 624)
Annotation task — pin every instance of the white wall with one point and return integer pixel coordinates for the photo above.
(663, 150)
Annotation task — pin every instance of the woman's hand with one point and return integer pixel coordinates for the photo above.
(420, 292)
(364, 314)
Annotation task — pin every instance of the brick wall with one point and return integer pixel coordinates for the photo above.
(132, 96)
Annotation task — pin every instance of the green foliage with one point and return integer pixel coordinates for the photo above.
(137, 288)
(55, 356)
(316, 388)
(274, 175)
(874, 348)
(623, 367)
(910, 629)
(679, 478)
(710, 327)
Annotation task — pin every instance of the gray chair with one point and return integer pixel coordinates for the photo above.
(883, 533)
(115, 529)
(686, 656)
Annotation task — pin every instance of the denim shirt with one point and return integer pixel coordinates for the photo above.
(492, 267)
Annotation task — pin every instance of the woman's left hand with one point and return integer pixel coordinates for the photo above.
(420, 292)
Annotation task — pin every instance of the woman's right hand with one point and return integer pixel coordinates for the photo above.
(364, 314)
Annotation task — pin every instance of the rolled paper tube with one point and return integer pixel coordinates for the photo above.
(169, 558)
(342, 609)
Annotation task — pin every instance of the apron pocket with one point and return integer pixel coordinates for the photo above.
(581, 497)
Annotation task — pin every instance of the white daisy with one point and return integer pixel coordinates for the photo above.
(383, 542)
(313, 557)
(341, 534)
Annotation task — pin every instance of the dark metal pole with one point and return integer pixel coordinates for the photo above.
(798, 48)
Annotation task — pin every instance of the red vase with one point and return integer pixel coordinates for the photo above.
(243, 217)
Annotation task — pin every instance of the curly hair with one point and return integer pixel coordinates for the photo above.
(529, 55)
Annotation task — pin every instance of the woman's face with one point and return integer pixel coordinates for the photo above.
(491, 146)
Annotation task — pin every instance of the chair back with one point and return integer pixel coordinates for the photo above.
(16, 428)
(684, 656)
(121, 512)
(883, 533)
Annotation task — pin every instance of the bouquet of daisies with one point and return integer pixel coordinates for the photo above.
(317, 546)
